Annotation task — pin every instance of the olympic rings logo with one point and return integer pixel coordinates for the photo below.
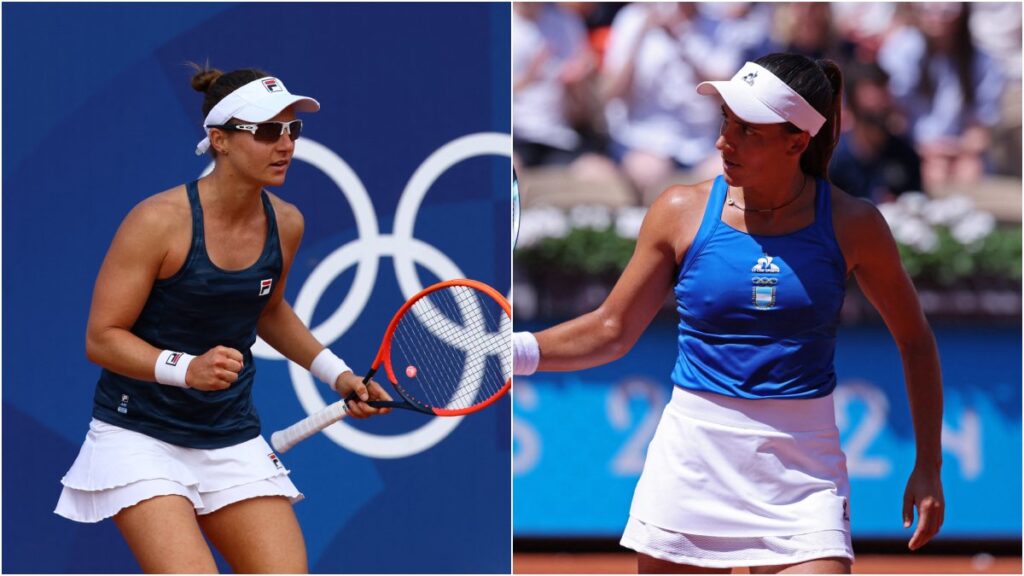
(365, 252)
(762, 281)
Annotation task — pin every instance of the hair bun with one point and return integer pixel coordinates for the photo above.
(205, 78)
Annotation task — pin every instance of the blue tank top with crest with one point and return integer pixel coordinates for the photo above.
(199, 307)
(758, 314)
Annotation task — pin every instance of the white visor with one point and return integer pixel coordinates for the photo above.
(257, 101)
(759, 97)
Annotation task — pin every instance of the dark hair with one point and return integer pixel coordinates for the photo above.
(820, 83)
(216, 84)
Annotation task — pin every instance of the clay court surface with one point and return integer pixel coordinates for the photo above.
(620, 563)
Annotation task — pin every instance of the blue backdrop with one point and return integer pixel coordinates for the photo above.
(98, 114)
(575, 469)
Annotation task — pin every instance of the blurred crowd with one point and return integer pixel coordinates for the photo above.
(607, 90)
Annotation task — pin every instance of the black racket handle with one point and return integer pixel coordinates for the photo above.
(387, 404)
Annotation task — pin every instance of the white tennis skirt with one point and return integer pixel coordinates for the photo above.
(118, 468)
(729, 480)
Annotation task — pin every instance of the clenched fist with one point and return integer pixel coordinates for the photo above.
(217, 369)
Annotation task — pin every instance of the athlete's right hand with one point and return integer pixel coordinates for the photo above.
(215, 370)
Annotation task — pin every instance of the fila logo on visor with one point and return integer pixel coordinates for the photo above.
(265, 286)
(749, 78)
(272, 85)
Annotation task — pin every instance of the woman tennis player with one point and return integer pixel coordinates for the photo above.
(193, 275)
(745, 468)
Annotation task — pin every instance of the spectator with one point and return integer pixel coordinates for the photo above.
(598, 18)
(862, 27)
(806, 28)
(949, 90)
(871, 161)
(743, 28)
(657, 122)
(996, 29)
(551, 63)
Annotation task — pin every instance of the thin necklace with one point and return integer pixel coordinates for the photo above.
(768, 211)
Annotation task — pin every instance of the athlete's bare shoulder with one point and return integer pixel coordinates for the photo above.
(858, 225)
(161, 213)
(845, 205)
(683, 199)
(155, 232)
(289, 218)
(676, 214)
(850, 213)
(290, 222)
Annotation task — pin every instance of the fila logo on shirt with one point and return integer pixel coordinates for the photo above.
(265, 286)
(764, 288)
(272, 85)
(273, 458)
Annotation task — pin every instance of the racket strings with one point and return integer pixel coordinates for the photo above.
(438, 313)
(428, 352)
(451, 349)
(463, 351)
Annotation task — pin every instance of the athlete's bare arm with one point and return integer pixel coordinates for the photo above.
(133, 261)
(152, 242)
(282, 329)
(871, 255)
(607, 333)
(278, 325)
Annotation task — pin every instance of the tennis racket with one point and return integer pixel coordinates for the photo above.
(447, 352)
(515, 207)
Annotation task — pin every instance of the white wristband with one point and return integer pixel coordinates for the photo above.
(171, 368)
(327, 367)
(525, 354)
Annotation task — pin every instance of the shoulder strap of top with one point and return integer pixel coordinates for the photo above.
(710, 222)
(197, 213)
(268, 208)
(272, 246)
(823, 205)
(824, 225)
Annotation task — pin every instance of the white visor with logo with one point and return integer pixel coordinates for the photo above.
(257, 101)
(760, 97)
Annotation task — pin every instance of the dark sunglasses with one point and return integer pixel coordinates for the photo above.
(266, 131)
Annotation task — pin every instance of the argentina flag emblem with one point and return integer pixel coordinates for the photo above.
(764, 297)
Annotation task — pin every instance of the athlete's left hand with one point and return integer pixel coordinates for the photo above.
(348, 383)
(924, 491)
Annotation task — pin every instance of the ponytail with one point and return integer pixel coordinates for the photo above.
(816, 158)
(820, 83)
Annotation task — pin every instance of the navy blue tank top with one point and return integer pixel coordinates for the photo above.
(758, 314)
(199, 307)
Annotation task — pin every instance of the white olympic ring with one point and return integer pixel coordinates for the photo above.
(366, 251)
